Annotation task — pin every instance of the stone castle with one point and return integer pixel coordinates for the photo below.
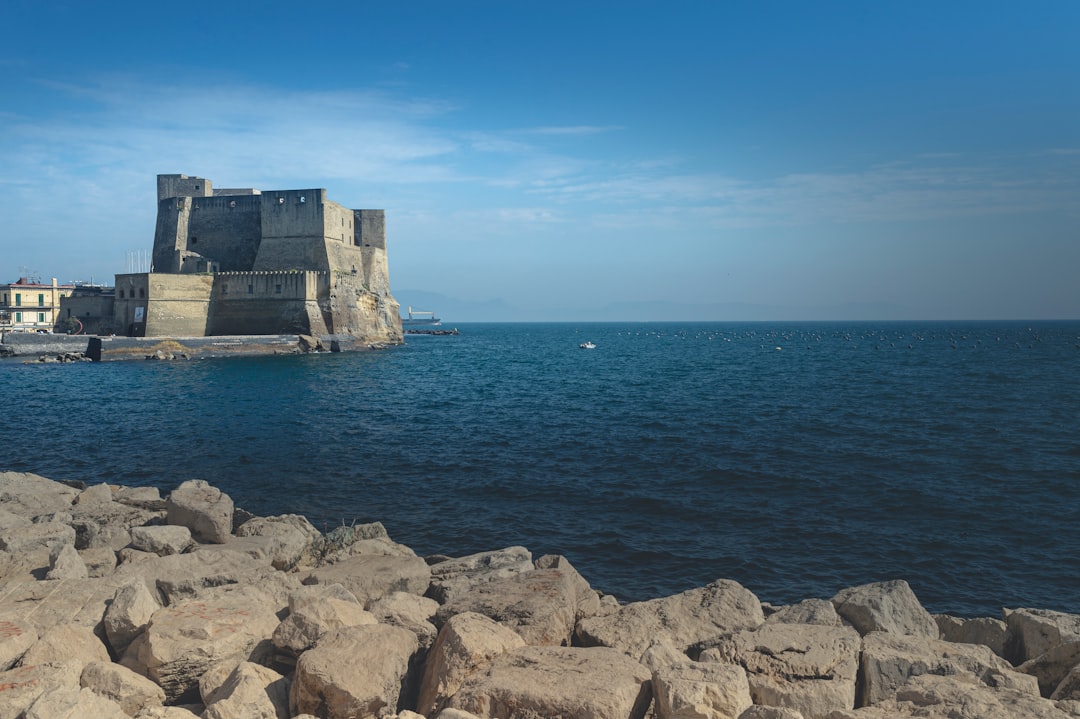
(251, 262)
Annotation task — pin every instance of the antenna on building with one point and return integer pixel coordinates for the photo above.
(138, 261)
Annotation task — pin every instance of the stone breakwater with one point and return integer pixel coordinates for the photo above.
(115, 602)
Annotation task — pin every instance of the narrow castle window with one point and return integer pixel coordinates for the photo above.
(251, 289)
(121, 294)
(142, 292)
(194, 239)
(224, 289)
(277, 289)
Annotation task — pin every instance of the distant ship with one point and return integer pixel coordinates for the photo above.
(419, 319)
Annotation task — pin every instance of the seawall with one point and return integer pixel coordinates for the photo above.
(125, 348)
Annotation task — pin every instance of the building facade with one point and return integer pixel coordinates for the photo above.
(246, 261)
(30, 306)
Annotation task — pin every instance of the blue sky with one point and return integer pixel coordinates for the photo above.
(577, 161)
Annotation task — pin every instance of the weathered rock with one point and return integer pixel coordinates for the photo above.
(355, 673)
(68, 643)
(888, 660)
(307, 593)
(935, 697)
(99, 561)
(73, 703)
(587, 599)
(1031, 633)
(21, 687)
(175, 712)
(10, 520)
(288, 537)
(304, 627)
(130, 611)
(1069, 687)
(97, 494)
(162, 539)
(65, 563)
(456, 575)
(701, 690)
(595, 682)
(691, 617)
(1051, 667)
(131, 691)
(885, 607)
(763, 712)
(16, 636)
(455, 714)
(29, 495)
(183, 640)
(182, 576)
(371, 577)
(807, 667)
(251, 691)
(46, 604)
(50, 536)
(540, 605)
(662, 653)
(808, 611)
(205, 510)
(108, 524)
(466, 644)
(408, 611)
(983, 630)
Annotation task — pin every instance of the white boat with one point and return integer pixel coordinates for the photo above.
(587, 345)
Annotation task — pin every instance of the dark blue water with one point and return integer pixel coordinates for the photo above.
(796, 459)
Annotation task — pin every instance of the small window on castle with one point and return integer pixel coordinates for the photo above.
(121, 294)
(277, 289)
(232, 203)
(194, 239)
(196, 187)
(251, 289)
(142, 292)
(224, 289)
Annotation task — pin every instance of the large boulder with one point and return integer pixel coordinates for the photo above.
(288, 538)
(16, 636)
(355, 673)
(701, 690)
(595, 682)
(130, 611)
(541, 605)
(453, 576)
(466, 644)
(408, 611)
(183, 640)
(48, 536)
(684, 619)
(811, 668)
(373, 576)
(69, 643)
(1033, 632)
(889, 660)
(936, 697)
(29, 495)
(21, 687)
(250, 691)
(885, 607)
(986, 631)
(131, 691)
(808, 611)
(73, 703)
(162, 539)
(205, 510)
(65, 563)
(304, 626)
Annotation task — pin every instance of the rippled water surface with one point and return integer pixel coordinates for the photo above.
(796, 459)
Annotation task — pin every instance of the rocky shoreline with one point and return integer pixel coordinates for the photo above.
(116, 602)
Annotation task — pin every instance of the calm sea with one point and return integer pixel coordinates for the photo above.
(797, 459)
